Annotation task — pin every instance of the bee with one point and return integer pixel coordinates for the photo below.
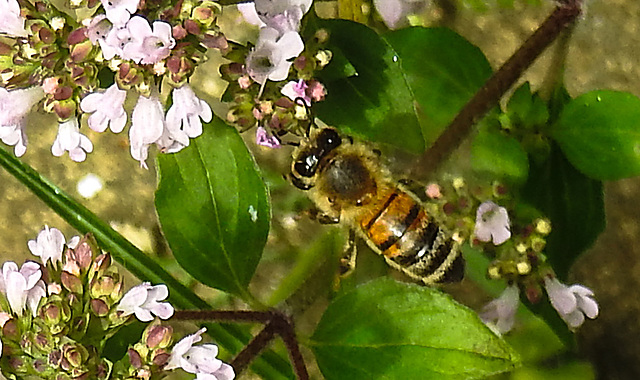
(349, 184)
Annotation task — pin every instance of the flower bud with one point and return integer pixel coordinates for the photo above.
(157, 336)
(74, 354)
(77, 36)
(102, 286)
(10, 330)
(523, 267)
(160, 358)
(80, 51)
(103, 370)
(533, 293)
(17, 364)
(81, 255)
(134, 358)
(42, 342)
(64, 109)
(99, 266)
(71, 282)
(99, 307)
(216, 41)
(543, 226)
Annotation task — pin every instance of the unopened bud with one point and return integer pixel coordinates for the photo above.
(54, 288)
(41, 342)
(533, 294)
(322, 35)
(99, 307)
(538, 244)
(134, 358)
(494, 272)
(83, 252)
(458, 183)
(71, 282)
(543, 226)
(74, 354)
(51, 313)
(102, 263)
(521, 247)
(10, 330)
(160, 358)
(103, 286)
(433, 191)
(523, 268)
(324, 57)
(158, 336)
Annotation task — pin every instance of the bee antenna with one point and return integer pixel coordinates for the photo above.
(300, 101)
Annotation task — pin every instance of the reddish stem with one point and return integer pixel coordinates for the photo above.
(496, 86)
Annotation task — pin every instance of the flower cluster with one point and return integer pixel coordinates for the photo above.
(131, 46)
(57, 315)
(260, 96)
(518, 250)
(572, 303)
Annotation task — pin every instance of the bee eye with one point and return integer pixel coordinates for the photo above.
(329, 139)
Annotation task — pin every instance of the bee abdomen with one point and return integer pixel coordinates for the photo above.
(411, 242)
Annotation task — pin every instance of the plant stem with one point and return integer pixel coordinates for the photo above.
(495, 87)
(276, 323)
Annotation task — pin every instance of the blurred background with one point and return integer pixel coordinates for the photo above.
(604, 51)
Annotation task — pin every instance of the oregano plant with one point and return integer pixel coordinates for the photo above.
(513, 183)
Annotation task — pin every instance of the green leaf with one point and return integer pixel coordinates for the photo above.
(499, 155)
(526, 109)
(391, 330)
(574, 204)
(442, 70)
(231, 337)
(408, 84)
(599, 132)
(214, 209)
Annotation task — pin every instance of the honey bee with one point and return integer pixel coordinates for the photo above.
(349, 184)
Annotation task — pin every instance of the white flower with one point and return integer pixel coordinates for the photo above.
(148, 46)
(394, 12)
(14, 135)
(119, 11)
(183, 118)
(23, 288)
(14, 105)
(142, 300)
(49, 245)
(492, 223)
(500, 313)
(70, 139)
(98, 28)
(294, 90)
(199, 360)
(147, 125)
(282, 15)
(262, 138)
(10, 20)
(115, 41)
(271, 58)
(169, 143)
(572, 302)
(106, 109)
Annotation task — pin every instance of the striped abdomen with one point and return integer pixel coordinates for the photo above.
(399, 228)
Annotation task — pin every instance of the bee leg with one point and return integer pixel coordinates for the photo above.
(414, 187)
(323, 218)
(348, 260)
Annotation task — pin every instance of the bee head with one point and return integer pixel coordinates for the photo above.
(307, 161)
